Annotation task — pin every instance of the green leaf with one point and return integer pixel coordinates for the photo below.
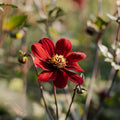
(60, 13)
(56, 12)
(14, 22)
(42, 21)
(13, 6)
(100, 23)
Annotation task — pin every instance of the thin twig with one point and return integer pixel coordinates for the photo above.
(54, 3)
(68, 97)
(117, 40)
(24, 69)
(108, 92)
(74, 93)
(54, 89)
(46, 24)
(92, 79)
(96, 59)
(110, 77)
(47, 30)
(44, 11)
(99, 7)
(2, 37)
(37, 4)
(41, 89)
(43, 6)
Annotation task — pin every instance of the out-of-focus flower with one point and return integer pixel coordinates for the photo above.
(23, 57)
(102, 94)
(79, 2)
(56, 61)
(95, 25)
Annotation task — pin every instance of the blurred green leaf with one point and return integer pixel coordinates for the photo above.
(42, 21)
(13, 6)
(101, 24)
(55, 13)
(16, 84)
(14, 22)
(52, 15)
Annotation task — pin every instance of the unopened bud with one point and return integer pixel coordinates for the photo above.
(21, 52)
(20, 34)
(90, 30)
(23, 59)
(81, 91)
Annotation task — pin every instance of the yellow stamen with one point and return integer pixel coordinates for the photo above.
(58, 61)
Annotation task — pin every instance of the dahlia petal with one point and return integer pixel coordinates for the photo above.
(61, 79)
(41, 64)
(75, 57)
(48, 45)
(74, 66)
(39, 51)
(63, 47)
(46, 76)
(75, 78)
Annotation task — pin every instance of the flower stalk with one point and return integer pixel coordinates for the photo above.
(41, 89)
(117, 40)
(74, 93)
(2, 37)
(54, 89)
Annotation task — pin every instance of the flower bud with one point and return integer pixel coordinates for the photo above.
(90, 30)
(80, 90)
(23, 59)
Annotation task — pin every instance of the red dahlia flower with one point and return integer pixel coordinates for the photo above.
(56, 61)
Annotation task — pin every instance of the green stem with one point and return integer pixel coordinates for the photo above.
(54, 89)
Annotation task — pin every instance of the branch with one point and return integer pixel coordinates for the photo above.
(115, 74)
(92, 79)
(108, 92)
(47, 30)
(2, 37)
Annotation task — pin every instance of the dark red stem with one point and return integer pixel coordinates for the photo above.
(74, 93)
(108, 92)
(41, 89)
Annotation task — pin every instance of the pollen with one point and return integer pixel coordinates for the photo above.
(58, 61)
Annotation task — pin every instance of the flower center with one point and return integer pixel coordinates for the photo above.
(58, 61)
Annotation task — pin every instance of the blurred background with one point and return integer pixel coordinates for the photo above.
(23, 22)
